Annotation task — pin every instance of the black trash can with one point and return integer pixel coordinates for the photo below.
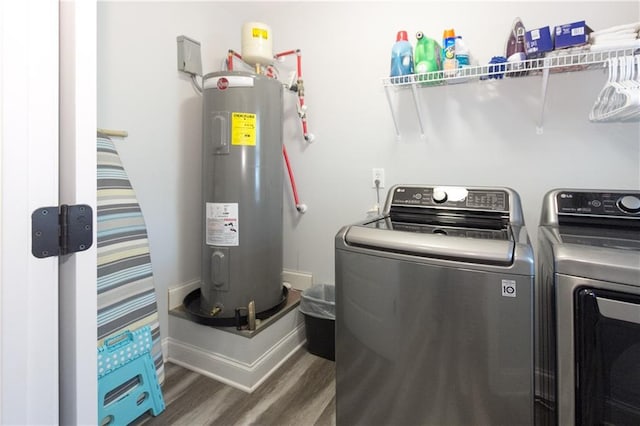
(318, 304)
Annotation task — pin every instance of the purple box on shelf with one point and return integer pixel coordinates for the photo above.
(574, 34)
(538, 41)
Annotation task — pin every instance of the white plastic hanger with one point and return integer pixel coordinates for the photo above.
(619, 99)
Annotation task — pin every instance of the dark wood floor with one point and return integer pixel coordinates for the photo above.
(301, 392)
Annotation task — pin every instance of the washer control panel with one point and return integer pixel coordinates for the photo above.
(618, 204)
(451, 197)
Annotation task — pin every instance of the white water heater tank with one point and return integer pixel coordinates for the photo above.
(257, 44)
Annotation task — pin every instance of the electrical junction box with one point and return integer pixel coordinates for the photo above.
(189, 60)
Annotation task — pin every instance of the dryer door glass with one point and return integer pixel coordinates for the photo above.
(607, 357)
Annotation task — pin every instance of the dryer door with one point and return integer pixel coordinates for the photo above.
(607, 357)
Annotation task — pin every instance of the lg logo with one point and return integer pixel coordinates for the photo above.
(508, 288)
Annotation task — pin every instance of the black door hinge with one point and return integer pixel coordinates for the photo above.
(56, 231)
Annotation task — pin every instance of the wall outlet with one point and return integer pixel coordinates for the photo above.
(377, 174)
(189, 59)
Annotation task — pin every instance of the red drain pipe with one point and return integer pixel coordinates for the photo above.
(300, 207)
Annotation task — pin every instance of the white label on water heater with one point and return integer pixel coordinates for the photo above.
(222, 224)
(509, 288)
(226, 81)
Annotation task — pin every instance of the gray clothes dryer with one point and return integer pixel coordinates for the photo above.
(434, 311)
(588, 358)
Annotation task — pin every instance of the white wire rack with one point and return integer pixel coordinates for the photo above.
(555, 62)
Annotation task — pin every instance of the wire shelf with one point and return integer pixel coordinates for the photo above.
(577, 59)
(556, 61)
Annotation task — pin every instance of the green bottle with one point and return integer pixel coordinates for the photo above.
(426, 57)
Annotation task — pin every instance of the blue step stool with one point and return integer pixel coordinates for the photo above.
(127, 382)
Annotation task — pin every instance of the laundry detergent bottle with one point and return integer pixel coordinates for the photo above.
(426, 56)
(401, 58)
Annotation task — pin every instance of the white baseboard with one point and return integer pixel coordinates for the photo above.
(234, 360)
(298, 280)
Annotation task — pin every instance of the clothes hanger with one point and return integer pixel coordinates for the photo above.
(619, 99)
(606, 92)
(630, 109)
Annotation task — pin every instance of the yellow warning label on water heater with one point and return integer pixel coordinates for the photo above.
(243, 128)
(259, 33)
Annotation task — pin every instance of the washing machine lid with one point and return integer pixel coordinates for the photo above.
(457, 244)
(445, 226)
(470, 224)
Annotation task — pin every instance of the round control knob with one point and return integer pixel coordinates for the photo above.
(629, 204)
(439, 196)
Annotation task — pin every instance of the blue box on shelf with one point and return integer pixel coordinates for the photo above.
(537, 42)
(574, 34)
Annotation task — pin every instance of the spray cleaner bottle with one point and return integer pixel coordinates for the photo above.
(449, 62)
(401, 58)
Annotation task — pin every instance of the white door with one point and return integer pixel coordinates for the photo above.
(78, 273)
(45, 331)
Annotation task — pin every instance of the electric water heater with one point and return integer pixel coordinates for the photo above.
(242, 191)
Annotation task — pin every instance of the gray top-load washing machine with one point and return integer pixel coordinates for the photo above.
(588, 363)
(434, 311)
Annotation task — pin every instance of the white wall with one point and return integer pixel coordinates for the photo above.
(476, 134)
